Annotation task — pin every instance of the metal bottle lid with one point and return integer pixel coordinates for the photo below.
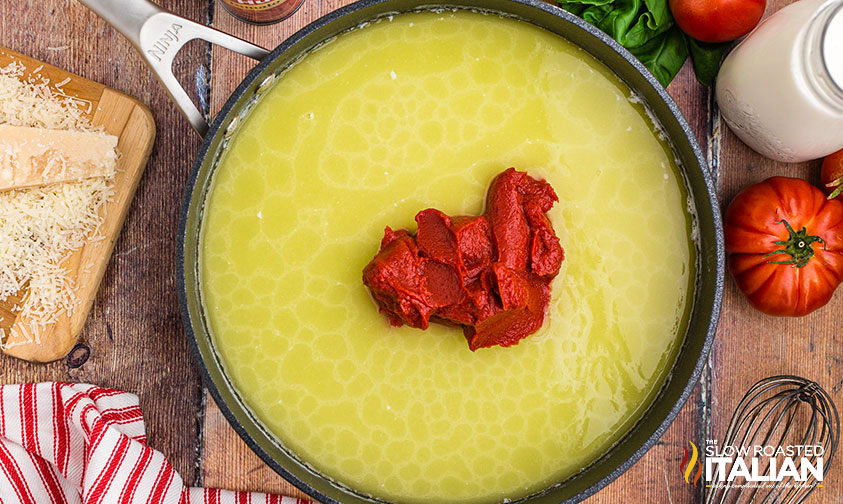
(832, 46)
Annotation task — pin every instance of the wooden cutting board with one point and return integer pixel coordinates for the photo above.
(129, 120)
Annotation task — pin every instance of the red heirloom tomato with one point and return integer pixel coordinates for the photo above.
(784, 240)
(717, 20)
(832, 174)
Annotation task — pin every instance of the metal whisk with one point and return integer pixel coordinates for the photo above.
(779, 411)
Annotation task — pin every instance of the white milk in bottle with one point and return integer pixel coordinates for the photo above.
(781, 89)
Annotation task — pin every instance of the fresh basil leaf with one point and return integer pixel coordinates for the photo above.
(660, 13)
(566, 3)
(620, 19)
(603, 16)
(595, 14)
(645, 27)
(664, 55)
(706, 58)
(645, 30)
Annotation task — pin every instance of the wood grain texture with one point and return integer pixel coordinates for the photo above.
(134, 329)
(750, 345)
(129, 120)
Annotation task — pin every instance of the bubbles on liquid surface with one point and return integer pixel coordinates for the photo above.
(422, 111)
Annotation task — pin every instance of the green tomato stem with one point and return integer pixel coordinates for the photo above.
(838, 183)
(798, 246)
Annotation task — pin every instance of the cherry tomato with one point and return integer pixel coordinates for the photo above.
(832, 174)
(784, 242)
(717, 20)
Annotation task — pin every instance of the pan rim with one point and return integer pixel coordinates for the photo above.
(188, 237)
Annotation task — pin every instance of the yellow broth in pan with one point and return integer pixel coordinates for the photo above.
(423, 110)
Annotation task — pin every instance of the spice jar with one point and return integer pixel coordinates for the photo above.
(781, 89)
(262, 11)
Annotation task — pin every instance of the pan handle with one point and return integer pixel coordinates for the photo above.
(159, 35)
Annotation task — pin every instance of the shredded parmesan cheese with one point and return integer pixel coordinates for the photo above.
(38, 228)
(34, 104)
(41, 227)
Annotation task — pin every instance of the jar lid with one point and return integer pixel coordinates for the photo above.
(832, 47)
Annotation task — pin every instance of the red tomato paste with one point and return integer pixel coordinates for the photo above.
(489, 274)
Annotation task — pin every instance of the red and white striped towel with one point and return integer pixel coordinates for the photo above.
(72, 443)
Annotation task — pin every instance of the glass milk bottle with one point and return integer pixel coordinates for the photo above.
(781, 89)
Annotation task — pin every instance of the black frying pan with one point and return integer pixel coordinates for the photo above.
(159, 35)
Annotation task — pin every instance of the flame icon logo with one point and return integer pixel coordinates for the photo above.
(686, 470)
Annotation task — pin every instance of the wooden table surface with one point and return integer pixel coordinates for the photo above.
(135, 334)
